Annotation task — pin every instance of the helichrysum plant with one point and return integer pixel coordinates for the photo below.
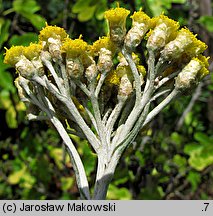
(104, 92)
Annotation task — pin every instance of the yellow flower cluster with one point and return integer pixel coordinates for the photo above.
(185, 44)
(116, 16)
(141, 17)
(165, 30)
(113, 78)
(32, 51)
(164, 39)
(192, 73)
(103, 42)
(172, 25)
(52, 32)
(74, 48)
(117, 24)
(203, 61)
(13, 55)
(196, 46)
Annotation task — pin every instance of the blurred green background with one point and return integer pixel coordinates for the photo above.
(173, 159)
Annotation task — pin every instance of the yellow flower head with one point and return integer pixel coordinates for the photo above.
(113, 78)
(52, 32)
(32, 51)
(205, 60)
(141, 17)
(185, 44)
(141, 23)
(192, 73)
(117, 24)
(103, 42)
(124, 70)
(74, 48)
(195, 46)
(204, 66)
(169, 22)
(116, 16)
(13, 55)
(164, 31)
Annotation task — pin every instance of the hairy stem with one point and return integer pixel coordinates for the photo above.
(80, 173)
(136, 75)
(162, 105)
(147, 94)
(113, 118)
(73, 111)
(100, 83)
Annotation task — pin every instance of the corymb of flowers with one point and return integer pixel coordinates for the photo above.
(173, 49)
(104, 92)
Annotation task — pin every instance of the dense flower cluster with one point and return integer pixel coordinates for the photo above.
(164, 37)
(103, 91)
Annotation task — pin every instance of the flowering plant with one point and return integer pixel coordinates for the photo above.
(104, 92)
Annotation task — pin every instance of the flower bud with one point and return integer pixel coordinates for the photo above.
(105, 62)
(103, 42)
(37, 63)
(165, 31)
(191, 74)
(25, 68)
(91, 71)
(117, 24)
(13, 55)
(74, 50)
(33, 53)
(125, 88)
(123, 68)
(74, 67)
(140, 25)
(55, 48)
(123, 61)
(185, 42)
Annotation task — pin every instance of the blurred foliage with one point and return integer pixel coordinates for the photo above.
(158, 6)
(163, 162)
(207, 22)
(85, 10)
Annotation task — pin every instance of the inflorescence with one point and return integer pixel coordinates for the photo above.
(102, 92)
(171, 45)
